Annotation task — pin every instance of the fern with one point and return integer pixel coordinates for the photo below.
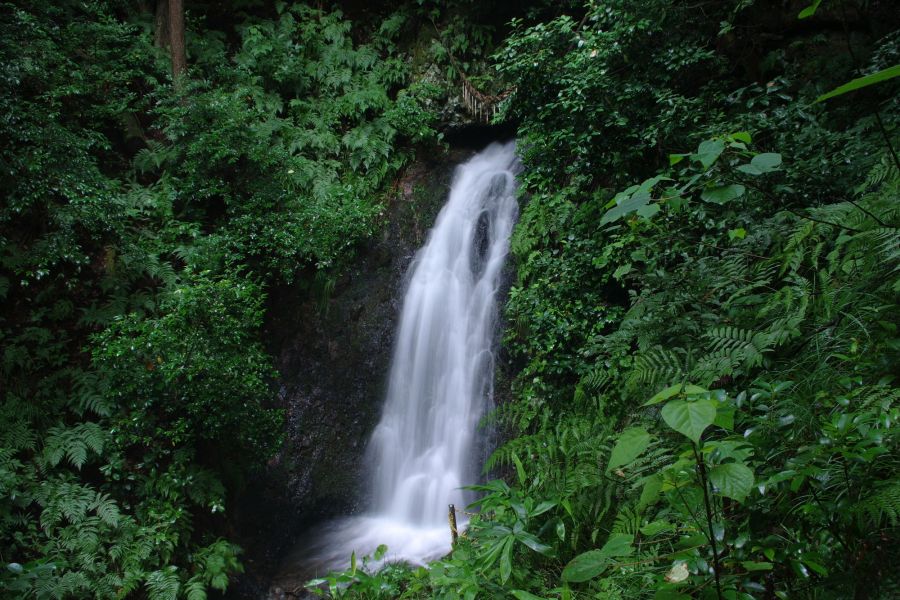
(73, 443)
(107, 509)
(880, 507)
(744, 347)
(163, 584)
(627, 521)
(195, 589)
(155, 156)
(657, 366)
(90, 395)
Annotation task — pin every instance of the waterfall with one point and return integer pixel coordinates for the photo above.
(424, 449)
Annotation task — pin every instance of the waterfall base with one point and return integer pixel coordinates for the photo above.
(328, 547)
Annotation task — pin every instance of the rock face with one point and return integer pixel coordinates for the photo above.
(332, 346)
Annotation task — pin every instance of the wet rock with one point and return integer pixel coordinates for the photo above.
(332, 347)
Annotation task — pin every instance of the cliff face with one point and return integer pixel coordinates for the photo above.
(332, 348)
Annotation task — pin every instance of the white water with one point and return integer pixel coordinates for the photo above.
(443, 363)
(424, 448)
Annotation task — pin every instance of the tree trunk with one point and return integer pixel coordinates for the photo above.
(161, 24)
(176, 38)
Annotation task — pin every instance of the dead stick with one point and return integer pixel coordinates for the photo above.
(454, 534)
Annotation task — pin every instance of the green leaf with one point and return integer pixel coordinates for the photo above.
(533, 543)
(622, 271)
(694, 390)
(749, 169)
(708, 152)
(733, 480)
(520, 470)
(631, 443)
(737, 234)
(766, 162)
(690, 418)
(650, 492)
(724, 418)
(809, 10)
(618, 544)
(635, 198)
(626, 206)
(721, 194)
(523, 595)
(561, 530)
(689, 390)
(506, 560)
(821, 570)
(751, 565)
(674, 159)
(663, 395)
(648, 211)
(380, 551)
(541, 508)
(589, 564)
(656, 527)
(670, 594)
(861, 82)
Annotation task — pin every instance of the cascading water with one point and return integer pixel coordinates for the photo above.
(443, 363)
(423, 450)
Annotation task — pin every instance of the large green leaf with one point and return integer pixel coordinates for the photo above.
(733, 480)
(650, 491)
(634, 199)
(690, 418)
(761, 164)
(688, 390)
(708, 152)
(593, 562)
(721, 194)
(861, 82)
(767, 161)
(618, 544)
(631, 443)
(585, 566)
(627, 205)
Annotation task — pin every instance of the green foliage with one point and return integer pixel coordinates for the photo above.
(861, 82)
(195, 375)
(703, 321)
(285, 150)
(703, 324)
(140, 228)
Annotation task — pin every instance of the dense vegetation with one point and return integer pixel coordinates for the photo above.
(702, 333)
(142, 223)
(704, 324)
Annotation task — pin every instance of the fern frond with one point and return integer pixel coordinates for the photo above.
(880, 507)
(655, 367)
(73, 443)
(163, 584)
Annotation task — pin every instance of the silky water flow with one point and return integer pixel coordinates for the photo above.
(424, 449)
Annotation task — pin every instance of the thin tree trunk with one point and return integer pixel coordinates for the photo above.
(161, 24)
(176, 38)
